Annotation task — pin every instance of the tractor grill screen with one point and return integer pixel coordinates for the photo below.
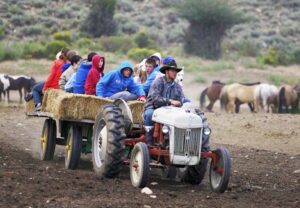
(187, 141)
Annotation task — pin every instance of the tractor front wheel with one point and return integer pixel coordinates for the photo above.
(219, 172)
(139, 165)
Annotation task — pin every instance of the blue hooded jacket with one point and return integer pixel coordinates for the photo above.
(65, 67)
(150, 78)
(114, 82)
(81, 75)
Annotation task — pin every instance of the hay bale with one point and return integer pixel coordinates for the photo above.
(72, 106)
(137, 110)
(77, 106)
(29, 106)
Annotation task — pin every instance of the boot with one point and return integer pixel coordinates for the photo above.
(149, 134)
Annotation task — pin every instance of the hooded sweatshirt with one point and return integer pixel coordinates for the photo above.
(114, 82)
(52, 80)
(81, 75)
(94, 75)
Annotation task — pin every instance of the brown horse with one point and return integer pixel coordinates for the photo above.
(235, 94)
(287, 97)
(213, 94)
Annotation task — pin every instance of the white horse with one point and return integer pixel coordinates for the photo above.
(4, 84)
(179, 77)
(264, 93)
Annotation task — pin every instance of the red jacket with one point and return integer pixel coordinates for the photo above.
(94, 75)
(52, 80)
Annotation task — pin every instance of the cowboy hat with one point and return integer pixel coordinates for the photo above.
(169, 63)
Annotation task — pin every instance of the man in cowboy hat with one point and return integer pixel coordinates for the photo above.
(163, 92)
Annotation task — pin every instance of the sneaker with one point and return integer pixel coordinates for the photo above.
(37, 107)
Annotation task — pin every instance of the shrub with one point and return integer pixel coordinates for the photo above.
(54, 46)
(117, 43)
(33, 30)
(63, 36)
(34, 50)
(10, 51)
(277, 57)
(84, 43)
(138, 54)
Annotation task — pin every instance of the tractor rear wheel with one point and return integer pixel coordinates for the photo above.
(73, 147)
(48, 140)
(219, 173)
(108, 141)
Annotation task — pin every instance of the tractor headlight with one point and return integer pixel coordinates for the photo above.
(206, 131)
(165, 129)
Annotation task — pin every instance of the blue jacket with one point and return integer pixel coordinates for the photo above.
(150, 78)
(65, 67)
(114, 82)
(81, 75)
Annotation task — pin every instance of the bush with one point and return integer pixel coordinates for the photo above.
(10, 51)
(63, 36)
(54, 46)
(138, 54)
(277, 57)
(33, 30)
(84, 43)
(34, 50)
(117, 43)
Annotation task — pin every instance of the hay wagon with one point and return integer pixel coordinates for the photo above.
(69, 122)
(114, 133)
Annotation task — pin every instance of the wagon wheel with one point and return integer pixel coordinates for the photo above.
(139, 165)
(73, 147)
(48, 140)
(219, 173)
(108, 141)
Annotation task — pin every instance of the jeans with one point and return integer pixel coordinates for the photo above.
(125, 95)
(148, 117)
(70, 90)
(37, 92)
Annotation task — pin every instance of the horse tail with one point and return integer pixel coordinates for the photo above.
(281, 99)
(202, 98)
(223, 98)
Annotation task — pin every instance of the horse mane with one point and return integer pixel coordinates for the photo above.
(250, 83)
(217, 82)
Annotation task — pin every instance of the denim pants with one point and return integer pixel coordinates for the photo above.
(125, 95)
(37, 92)
(148, 117)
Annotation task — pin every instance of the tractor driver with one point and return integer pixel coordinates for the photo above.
(163, 92)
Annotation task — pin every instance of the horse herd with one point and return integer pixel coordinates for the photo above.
(258, 96)
(20, 83)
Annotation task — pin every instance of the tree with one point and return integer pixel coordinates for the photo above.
(100, 18)
(209, 20)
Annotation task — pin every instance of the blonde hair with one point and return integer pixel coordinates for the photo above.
(138, 71)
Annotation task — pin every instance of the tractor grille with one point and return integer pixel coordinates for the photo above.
(187, 142)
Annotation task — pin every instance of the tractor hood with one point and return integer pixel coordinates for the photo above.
(177, 117)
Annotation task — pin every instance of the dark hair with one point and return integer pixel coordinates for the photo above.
(151, 61)
(90, 56)
(64, 53)
(75, 59)
(70, 54)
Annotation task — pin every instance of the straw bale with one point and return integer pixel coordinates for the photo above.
(137, 109)
(72, 106)
(29, 106)
(77, 106)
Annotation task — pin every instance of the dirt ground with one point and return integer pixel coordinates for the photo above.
(265, 168)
